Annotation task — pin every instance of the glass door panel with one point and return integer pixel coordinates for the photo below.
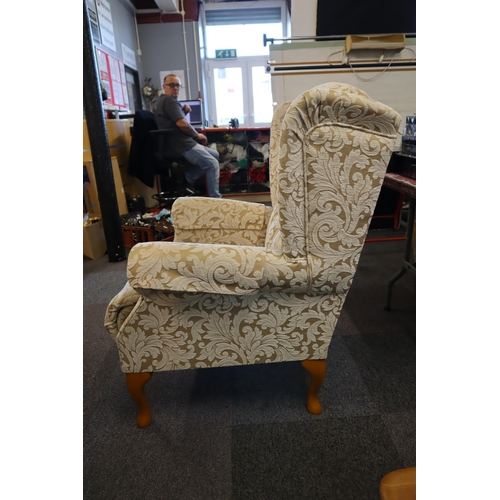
(134, 97)
(240, 89)
(262, 112)
(228, 87)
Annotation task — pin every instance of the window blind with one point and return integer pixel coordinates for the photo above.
(221, 17)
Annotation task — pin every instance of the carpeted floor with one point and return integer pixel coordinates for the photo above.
(244, 432)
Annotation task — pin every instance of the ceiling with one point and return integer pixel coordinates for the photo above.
(148, 11)
(144, 4)
(145, 8)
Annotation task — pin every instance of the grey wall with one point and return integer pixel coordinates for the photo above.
(124, 29)
(162, 46)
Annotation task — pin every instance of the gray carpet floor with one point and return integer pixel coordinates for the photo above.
(244, 432)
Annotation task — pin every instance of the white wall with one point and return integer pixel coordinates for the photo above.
(299, 66)
(393, 86)
(163, 47)
(303, 17)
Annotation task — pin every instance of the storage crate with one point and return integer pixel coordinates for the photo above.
(136, 234)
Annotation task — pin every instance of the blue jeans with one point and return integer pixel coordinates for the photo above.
(204, 161)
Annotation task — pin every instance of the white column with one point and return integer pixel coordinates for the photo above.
(303, 18)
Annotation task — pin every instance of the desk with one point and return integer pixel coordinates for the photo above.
(407, 186)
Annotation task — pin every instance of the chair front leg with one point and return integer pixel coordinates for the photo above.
(317, 371)
(135, 385)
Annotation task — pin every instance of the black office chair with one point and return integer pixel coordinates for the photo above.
(149, 157)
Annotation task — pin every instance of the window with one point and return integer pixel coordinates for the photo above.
(242, 29)
(240, 87)
(247, 39)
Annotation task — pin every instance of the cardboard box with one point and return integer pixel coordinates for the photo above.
(119, 140)
(94, 242)
(90, 200)
(90, 197)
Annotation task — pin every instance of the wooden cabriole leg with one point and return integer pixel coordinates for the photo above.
(135, 386)
(317, 370)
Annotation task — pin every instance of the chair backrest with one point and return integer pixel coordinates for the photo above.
(142, 154)
(333, 151)
(144, 121)
(149, 153)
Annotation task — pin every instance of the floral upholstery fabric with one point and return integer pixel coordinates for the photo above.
(274, 237)
(196, 267)
(208, 220)
(240, 285)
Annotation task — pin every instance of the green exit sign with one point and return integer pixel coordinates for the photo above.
(225, 54)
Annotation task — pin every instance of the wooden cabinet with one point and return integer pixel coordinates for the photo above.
(119, 146)
(119, 140)
(244, 161)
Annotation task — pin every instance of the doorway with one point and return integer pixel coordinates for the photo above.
(133, 89)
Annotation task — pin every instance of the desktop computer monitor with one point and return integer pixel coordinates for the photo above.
(195, 117)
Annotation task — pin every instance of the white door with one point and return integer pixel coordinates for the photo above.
(240, 88)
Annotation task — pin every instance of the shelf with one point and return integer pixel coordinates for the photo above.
(244, 160)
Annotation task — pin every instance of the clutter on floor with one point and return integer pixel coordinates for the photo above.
(140, 228)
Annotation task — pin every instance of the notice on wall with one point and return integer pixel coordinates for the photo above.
(106, 23)
(128, 57)
(94, 21)
(112, 76)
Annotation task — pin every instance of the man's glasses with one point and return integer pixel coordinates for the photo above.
(173, 85)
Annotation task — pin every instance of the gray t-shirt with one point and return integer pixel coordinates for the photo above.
(168, 111)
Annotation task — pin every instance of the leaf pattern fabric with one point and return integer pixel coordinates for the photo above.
(243, 283)
(210, 220)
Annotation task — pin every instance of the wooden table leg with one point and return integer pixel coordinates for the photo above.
(135, 385)
(317, 370)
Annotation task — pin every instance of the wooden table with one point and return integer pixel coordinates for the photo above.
(407, 186)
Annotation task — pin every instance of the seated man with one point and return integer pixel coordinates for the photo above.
(184, 140)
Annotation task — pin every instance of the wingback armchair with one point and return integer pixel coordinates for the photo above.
(243, 283)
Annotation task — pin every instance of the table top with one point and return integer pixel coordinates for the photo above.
(401, 183)
(231, 129)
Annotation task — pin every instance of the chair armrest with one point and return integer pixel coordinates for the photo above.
(161, 131)
(119, 309)
(195, 267)
(213, 220)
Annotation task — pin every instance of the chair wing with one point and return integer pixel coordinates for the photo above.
(335, 145)
(273, 235)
